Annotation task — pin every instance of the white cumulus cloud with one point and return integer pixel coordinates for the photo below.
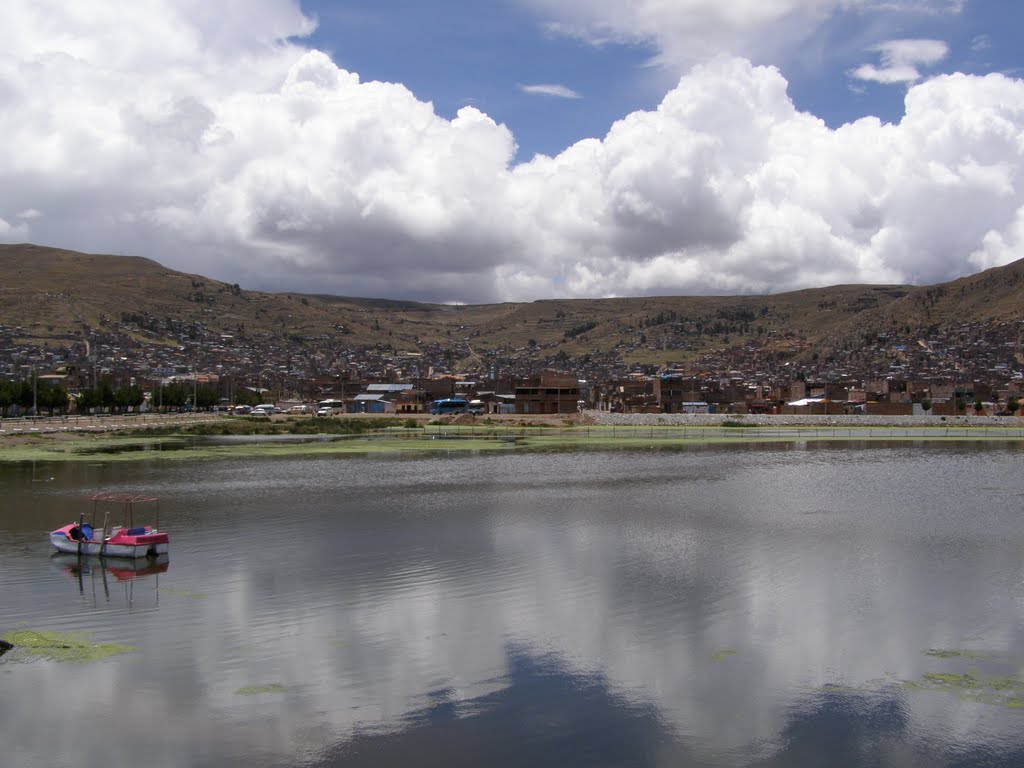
(234, 151)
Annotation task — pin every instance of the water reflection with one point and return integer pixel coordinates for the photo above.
(543, 715)
(700, 607)
(142, 446)
(855, 728)
(115, 581)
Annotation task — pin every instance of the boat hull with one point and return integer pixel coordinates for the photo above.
(150, 543)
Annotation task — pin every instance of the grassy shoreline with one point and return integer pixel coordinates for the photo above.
(248, 438)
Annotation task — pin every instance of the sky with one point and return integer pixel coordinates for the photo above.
(514, 150)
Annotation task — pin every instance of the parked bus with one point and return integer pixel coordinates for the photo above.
(449, 405)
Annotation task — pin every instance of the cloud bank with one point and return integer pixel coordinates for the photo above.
(176, 132)
(683, 32)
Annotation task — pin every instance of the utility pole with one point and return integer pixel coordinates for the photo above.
(35, 391)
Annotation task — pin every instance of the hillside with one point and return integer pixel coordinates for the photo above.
(57, 298)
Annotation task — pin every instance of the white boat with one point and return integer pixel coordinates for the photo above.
(124, 540)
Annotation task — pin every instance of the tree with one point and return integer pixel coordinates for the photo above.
(101, 396)
(207, 397)
(106, 394)
(1012, 405)
(52, 397)
(175, 395)
(87, 400)
(25, 395)
(8, 396)
(128, 397)
(926, 405)
(246, 396)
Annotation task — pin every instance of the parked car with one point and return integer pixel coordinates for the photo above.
(299, 409)
(325, 411)
(263, 410)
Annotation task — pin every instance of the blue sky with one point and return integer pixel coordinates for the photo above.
(459, 52)
(519, 149)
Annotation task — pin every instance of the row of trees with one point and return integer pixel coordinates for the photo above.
(44, 394)
(51, 398)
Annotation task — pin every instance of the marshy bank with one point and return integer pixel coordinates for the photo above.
(243, 437)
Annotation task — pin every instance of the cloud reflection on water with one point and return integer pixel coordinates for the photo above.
(724, 617)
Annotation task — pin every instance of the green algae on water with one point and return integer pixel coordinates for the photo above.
(60, 646)
(945, 653)
(185, 592)
(722, 655)
(966, 680)
(254, 690)
(1005, 690)
(175, 442)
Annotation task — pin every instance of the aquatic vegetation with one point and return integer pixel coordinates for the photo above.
(60, 646)
(184, 592)
(387, 434)
(254, 690)
(950, 679)
(722, 655)
(972, 684)
(256, 426)
(941, 653)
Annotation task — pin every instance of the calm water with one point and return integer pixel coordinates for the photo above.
(705, 607)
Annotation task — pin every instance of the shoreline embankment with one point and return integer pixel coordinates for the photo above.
(605, 418)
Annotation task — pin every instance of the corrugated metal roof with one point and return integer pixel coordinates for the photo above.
(387, 387)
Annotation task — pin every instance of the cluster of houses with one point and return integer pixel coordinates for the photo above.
(974, 367)
(553, 392)
(548, 393)
(681, 393)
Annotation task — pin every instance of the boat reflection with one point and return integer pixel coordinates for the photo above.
(96, 575)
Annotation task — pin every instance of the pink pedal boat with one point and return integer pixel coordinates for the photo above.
(124, 540)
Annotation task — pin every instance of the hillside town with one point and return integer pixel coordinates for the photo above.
(973, 368)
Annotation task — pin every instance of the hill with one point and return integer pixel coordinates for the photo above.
(58, 298)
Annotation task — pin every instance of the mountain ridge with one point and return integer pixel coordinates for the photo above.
(55, 296)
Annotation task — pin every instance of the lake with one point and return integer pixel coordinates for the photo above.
(799, 604)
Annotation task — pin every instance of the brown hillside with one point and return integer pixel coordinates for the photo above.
(54, 295)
